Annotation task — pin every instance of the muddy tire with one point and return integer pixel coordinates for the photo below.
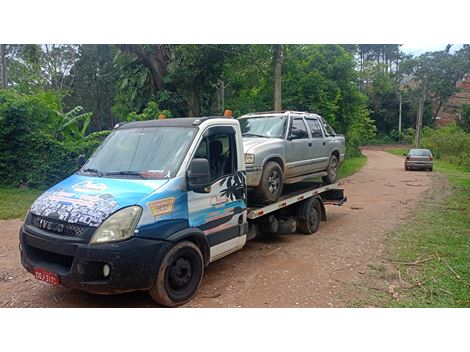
(309, 216)
(179, 276)
(332, 171)
(271, 184)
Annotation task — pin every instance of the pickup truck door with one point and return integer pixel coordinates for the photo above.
(319, 149)
(330, 135)
(220, 210)
(297, 148)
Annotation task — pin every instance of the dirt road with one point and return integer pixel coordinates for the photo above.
(285, 271)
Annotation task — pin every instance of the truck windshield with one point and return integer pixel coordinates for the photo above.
(266, 126)
(150, 152)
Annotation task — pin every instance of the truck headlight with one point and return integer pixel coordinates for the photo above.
(249, 158)
(119, 226)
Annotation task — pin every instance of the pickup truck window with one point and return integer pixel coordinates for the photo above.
(328, 130)
(218, 149)
(315, 129)
(298, 130)
(266, 126)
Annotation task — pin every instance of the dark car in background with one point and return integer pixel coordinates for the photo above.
(418, 159)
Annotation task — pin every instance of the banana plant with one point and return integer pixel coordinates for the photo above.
(69, 123)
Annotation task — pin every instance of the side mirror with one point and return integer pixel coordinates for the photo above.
(295, 134)
(81, 161)
(404, 154)
(198, 175)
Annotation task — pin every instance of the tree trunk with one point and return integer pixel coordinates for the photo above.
(156, 60)
(3, 64)
(193, 103)
(277, 60)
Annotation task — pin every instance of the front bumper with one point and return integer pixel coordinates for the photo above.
(253, 175)
(133, 262)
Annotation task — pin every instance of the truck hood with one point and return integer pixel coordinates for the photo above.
(89, 201)
(250, 144)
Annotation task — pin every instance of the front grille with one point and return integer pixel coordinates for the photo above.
(65, 228)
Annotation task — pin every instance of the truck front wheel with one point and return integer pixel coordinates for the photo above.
(179, 276)
(272, 181)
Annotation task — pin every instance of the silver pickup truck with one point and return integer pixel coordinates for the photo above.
(288, 147)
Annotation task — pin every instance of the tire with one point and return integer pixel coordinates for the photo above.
(407, 168)
(271, 183)
(430, 169)
(332, 171)
(179, 275)
(309, 215)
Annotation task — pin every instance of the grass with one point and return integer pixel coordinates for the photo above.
(435, 245)
(14, 203)
(351, 166)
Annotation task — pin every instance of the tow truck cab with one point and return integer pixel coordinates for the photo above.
(156, 203)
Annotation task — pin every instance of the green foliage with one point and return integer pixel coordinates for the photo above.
(151, 112)
(31, 150)
(464, 122)
(450, 143)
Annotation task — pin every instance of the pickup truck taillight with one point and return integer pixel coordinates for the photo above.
(407, 157)
(430, 157)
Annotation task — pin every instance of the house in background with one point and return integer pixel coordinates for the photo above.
(450, 111)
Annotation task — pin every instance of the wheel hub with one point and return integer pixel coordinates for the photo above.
(274, 181)
(180, 273)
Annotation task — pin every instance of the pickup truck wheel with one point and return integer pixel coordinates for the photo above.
(332, 171)
(309, 214)
(272, 181)
(179, 275)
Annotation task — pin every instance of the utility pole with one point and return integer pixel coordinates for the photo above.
(399, 115)
(3, 64)
(277, 60)
(419, 119)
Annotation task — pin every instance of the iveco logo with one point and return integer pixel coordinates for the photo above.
(51, 226)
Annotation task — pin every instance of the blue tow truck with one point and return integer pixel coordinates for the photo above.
(153, 206)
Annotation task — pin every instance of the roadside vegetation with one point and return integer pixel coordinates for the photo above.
(430, 253)
(14, 203)
(351, 166)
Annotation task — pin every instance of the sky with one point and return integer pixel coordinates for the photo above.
(418, 49)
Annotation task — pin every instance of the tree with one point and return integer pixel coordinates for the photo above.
(94, 85)
(437, 73)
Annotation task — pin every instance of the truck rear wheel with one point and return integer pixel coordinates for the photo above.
(272, 181)
(332, 171)
(179, 276)
(309, 215)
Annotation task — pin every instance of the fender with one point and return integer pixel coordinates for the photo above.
(195, 235)
(272, 156)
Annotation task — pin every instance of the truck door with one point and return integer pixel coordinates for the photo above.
(319, 152)
(297, 148)
(220, 210)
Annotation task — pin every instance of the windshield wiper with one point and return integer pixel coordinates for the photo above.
(93, 171)
(254, 135)
(125, 173)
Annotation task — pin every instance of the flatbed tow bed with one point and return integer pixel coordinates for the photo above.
(299, 209)
(332, 194)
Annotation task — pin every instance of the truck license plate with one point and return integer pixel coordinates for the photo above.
(46, 276)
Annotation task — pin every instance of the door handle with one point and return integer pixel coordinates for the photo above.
(309, 144)
(324, 143)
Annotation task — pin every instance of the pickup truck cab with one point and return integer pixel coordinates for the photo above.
(152, 207)
(288, 147)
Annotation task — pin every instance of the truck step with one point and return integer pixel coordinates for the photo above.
(304, 177)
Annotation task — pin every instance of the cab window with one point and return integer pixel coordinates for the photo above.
(298, 130)
(315, 129)
(218, 149)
